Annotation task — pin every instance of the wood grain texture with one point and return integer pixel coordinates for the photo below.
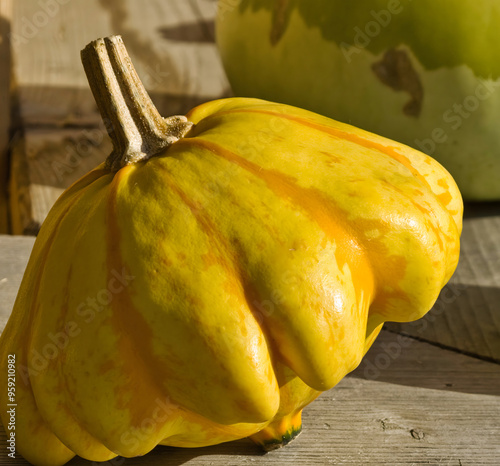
(14, 255)
(44, 164)
(428, 406)
(6, 9)
(467, 314)
(170, 43)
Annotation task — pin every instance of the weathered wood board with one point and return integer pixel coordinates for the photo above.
(44, 163)
(14, 254)
(170, 43)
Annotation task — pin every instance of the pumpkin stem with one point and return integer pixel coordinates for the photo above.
(136, 128)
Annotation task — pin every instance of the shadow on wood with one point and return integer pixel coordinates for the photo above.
(465, 318)
(177, 456)
(481, 209)
(201, 31)
(41, 108)
(399, 359)
(5, 77)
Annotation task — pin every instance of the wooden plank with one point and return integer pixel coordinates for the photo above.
(6, 8)
(14, 254)
(427, 406)
(44, 163)
(178, 71)
(467, 314)
(171, 44)
(19, 195)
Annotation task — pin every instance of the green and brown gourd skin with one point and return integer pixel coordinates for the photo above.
(249, 253)
(424, 73)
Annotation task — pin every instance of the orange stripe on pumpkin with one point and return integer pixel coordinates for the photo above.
(339, 134)
(77, 189)
(229, 257)
(313, 203)
(139, 363)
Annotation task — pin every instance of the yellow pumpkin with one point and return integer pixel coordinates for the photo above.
(217, 273)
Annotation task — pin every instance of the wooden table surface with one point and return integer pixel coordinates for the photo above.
(426, 393)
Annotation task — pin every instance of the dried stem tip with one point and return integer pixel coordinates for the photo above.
(136, 128)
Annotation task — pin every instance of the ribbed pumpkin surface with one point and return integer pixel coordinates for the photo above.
(194, 298)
